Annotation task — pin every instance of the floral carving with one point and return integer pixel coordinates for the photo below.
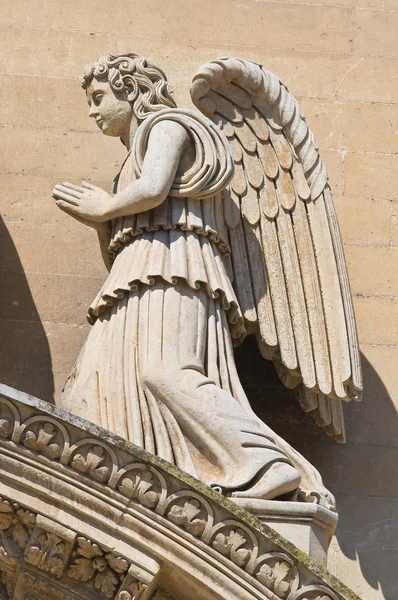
(231, 545)
(134, 591)
(48, 552)
(9, 568)
(5, 427)
(90, 464)
(186, 515)
(91, 563)
(276, 578)
(16, 523)
(42, 441)
(6, 420)
(140, 486)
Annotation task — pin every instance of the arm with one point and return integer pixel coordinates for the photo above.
(166, 144)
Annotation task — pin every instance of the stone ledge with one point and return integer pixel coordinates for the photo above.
(86, 514)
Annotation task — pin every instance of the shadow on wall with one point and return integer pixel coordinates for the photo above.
(361, 473)
(25, 359)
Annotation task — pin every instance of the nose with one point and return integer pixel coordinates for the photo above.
(93, 111)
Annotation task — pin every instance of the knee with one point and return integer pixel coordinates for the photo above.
(155, 377)
(160, 378)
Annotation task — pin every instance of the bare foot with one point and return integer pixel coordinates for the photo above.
(278, 480)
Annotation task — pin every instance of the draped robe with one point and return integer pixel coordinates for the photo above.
(157, 367)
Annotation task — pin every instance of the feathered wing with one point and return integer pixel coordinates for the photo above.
(288, 262)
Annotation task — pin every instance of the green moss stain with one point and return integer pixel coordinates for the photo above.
(86, 427)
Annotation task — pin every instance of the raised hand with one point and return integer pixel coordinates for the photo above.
(87, 203)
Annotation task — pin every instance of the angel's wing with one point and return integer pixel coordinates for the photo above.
(289, 268)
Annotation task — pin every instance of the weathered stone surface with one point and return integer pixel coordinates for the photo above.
(171, 522)
(314, 75)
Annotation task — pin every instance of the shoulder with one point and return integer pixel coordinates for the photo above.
(170, 129)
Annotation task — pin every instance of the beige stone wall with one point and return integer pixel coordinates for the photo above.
(339, 58)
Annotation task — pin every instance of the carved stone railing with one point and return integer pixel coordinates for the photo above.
(84, 514)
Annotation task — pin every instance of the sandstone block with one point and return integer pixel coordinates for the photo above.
(383, 360)
(56, 53)
(47, 297)
(364, 222)
(334, 166)
(76, 16)
(372, 270)
(370, 175)
(367, 79)
(294, 26)
(345, 474)
(353, 126)
(345, 3)
(375, 32)
(50, 249)
(65, 341)
(363, 522)
(377, 320)
(394, 224)
(58, 103)
(40, 385)
(60, 154)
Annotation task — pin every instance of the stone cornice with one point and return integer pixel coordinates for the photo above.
(72, 484)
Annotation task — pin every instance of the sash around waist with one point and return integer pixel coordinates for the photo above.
(172, 255)
(202, 216)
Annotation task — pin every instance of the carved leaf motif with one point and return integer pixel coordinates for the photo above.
(140, 488)
(106, 582)
(185, 517)
(274, 578)
(136, 589)
(88, 549)
(20, 535)
(27, 518)
(7, 515)
(16, 522)
(231, 545)
(93, 564)
(125, 595)
(82, 569)
(117, 563)
(265, 576)
(90, 464)
(320, 598)
(5, 427)
(8, 570)
(41, 441)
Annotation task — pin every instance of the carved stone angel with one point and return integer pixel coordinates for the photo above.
(213, 232)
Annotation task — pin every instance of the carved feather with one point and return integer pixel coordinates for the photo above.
(290, 275)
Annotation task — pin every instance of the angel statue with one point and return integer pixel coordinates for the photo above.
(221, 224)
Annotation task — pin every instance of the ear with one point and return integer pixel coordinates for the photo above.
(131, 96)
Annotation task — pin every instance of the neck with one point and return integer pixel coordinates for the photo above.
(128, 136)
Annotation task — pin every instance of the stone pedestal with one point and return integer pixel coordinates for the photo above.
(308, 526)
(84, 515)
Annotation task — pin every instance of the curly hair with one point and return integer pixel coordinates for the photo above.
(146, 84)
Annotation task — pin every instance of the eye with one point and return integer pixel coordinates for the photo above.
(97, 99)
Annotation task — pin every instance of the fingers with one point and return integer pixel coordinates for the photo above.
(68, 191)
(66, 197)
(77, 188)
(65, 206)
(90, 186)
